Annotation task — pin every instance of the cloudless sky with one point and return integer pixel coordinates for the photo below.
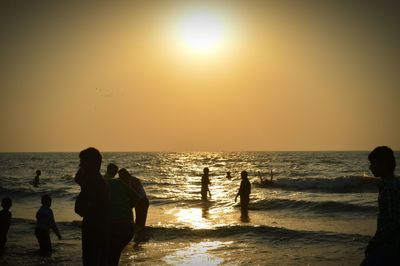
(198, 75)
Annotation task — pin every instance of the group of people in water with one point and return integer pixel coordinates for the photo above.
(243, 192)
(108, 224)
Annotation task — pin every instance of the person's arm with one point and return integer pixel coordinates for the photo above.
(82, 203)
(53, 225)
(388, 220)
(239, 192)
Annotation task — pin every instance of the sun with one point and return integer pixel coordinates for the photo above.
(202, 32)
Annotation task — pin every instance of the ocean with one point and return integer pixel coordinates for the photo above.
(320, 210)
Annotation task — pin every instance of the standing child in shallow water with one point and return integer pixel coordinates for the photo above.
(205, 181)
(45, 222)
(244, 190)
(383, 248)
(5, 219)
(36, 179)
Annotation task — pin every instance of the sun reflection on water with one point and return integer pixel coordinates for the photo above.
(196, 254)
(194, 217)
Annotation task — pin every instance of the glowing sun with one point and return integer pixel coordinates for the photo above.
(202, 32)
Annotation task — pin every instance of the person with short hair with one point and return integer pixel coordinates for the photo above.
(142, 204)
(244, 190)
(92, 204)
(44, 222)
(384, 247)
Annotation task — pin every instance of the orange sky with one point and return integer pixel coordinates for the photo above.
(120, 76)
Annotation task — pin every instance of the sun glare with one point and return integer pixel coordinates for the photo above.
(202, 32)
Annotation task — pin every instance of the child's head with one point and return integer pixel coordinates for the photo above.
(382, 161)
(6, 203)
(244, 174)
(38, 172)
(206, 170)
(46, 200)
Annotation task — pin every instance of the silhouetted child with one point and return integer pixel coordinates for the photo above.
(228, 175)
(205, 181)
(244, 190)
(45, 221)
(36, 179)
(5, 219)
(383, 248)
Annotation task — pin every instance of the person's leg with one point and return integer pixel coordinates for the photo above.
(121, 234)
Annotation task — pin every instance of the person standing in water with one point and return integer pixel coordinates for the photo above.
(205, 181)
(383, 248)
(36, 179)
(92, 204)
(244, 191)
(141, 205)
(122, 200)
(5, 220)
(44, 222)
(228, 175)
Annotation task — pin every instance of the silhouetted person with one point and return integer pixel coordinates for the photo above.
(244, 191)
(5, 219)
(36, 179)
(122, 200)
(112, 170)
(384, 247)
(228, 175)
(141, 207)
(44, 222)
(205, 181)
(92, 204)
(266, 181)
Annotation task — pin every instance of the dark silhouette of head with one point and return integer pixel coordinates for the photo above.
(38, 172)
(112, 170)
(243, 174)
(46, 200)
(382, 161)
(6, 203)
(124, 174)
(206, 170)
(90, 160)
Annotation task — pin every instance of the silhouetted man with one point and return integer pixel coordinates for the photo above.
(92, 205)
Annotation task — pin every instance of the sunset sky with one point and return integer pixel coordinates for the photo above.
(198, 75)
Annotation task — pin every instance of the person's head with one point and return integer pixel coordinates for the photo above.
(90, 160)
(124, 174)
(38, 172)
(228, 173)
(46, 200)
(206, 170)
(6, 203)
(112, 170)
(243, 174)
(382, 161)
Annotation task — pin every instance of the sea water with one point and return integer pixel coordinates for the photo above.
(320, 210)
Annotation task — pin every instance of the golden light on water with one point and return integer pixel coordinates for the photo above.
(197, 254)
(193, 217)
